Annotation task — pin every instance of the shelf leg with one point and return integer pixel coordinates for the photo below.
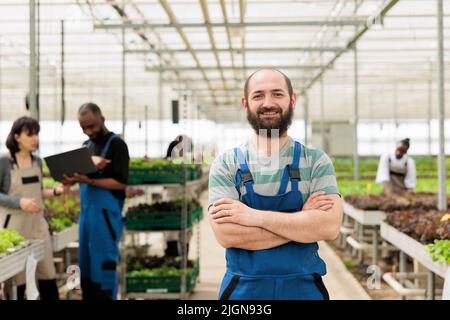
(375, 246)
(431, 285)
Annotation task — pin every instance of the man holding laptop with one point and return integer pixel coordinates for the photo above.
(102, 196)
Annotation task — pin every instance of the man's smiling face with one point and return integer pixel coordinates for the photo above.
(268, 103)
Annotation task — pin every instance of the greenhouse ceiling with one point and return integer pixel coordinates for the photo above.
(206, 49)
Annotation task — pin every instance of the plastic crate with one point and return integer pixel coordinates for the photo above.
(60, 240)
(156, 175)
(167, 284)
(161, 220)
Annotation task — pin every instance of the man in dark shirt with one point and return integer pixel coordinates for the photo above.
(102, 196)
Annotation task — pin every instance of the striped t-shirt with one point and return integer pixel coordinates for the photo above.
(316, 172)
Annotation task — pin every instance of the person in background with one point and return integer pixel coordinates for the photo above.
(21, 201)
(397, 172)
(176, 150)
(102, 196)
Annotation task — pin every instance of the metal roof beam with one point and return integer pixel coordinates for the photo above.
(214, 68)
(303, 23)
(227, 28)
(237, 50)
(371, 21)
(205, 13)
(165, 5)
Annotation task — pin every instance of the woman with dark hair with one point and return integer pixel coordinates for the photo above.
(21, 200)
(397, 172)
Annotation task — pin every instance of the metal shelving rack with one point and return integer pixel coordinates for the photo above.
(62, 242)
(186, 186)
(14, 263)
(365, 234)
(416, 250)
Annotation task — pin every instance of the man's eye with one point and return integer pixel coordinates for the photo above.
(257, 96)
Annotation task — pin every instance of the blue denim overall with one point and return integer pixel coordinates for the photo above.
(289, 272)
(100, 230)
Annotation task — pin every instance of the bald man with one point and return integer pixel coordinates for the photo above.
(271, 199)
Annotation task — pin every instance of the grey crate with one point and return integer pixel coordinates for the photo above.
(367, 218)
(13, 263)
(412, 248)
(61, 240)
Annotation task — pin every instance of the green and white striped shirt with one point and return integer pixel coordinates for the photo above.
(316, 172)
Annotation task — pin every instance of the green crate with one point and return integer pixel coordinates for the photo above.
(154, 176)
(161, 220)
(169, 284)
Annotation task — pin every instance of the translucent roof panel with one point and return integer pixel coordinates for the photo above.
(206, 49)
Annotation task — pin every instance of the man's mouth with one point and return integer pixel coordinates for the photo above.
(269, 114)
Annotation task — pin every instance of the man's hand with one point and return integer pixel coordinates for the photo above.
(76, 178)
(29, 205)
(100, 162)
(233, 211)
(132, 192)
(318, 201)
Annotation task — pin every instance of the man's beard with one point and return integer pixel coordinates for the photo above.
(100, 136)
(272, 127)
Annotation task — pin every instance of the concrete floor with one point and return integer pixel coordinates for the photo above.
(339, 281)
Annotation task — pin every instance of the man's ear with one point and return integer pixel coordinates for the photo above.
(294, 100)
(244, 103)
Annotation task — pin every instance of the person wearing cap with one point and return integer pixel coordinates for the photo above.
(397, 171)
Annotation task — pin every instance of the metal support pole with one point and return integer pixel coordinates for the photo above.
(32, 69)
(395, 105)
(361, 240)
(13, 289)
(375, 246)
(146, 130)
(63, 79)
(431, 286)
(67, 263)
(1, 102)
(402, 262)
(322, 109)
(355, 115)
(441, 88)
(402, 266)
(123, 84)
(38, 61)
(430, 106)
(184, 213)
(160, 114)
(306, 106)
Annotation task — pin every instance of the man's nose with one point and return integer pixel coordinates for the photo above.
(268, 100)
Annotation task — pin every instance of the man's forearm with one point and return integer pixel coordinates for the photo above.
(305, 226)
(110, 184)
(231, 235)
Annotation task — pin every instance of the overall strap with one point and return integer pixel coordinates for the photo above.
(243, 174)
(14, 163)
(108, 143)
(291, 172)
(88, 144)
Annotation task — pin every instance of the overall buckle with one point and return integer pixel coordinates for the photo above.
(246, 177)
(294, 173)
